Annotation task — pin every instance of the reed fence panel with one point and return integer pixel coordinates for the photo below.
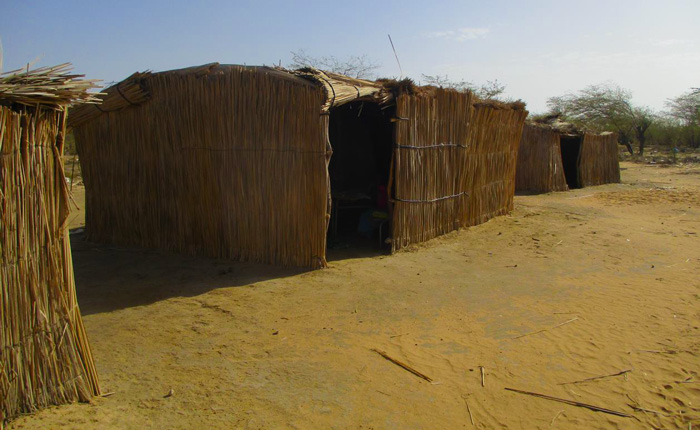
(231, 164)
(45, 357)
(540, 168)
(599, 160)
(454, 164)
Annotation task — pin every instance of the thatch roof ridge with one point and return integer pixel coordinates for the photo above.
(134, 90)
(497, 104)
(52, 86)
(554, 123)
(340, 89)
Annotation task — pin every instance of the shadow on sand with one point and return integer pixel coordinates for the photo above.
(110, 278)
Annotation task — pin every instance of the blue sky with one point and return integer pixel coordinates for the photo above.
(538, 50)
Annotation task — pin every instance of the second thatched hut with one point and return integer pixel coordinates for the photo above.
(255, 163)
(557, 156)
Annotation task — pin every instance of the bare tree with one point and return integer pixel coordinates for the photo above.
(604, 107)
(686, 110)
(356, 66)
(443, 81)
(491, 90)
(685, 107)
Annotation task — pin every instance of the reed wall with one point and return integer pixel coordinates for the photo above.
(45, 357)
(454, 164)
(229, 164)
(599, 163)
(539, 168)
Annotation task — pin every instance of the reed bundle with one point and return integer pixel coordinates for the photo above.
(454, 163)
(340, 89)
(231, 163)
(599, 163)
(48, 86)
(540, 168)
(130, 92)
(45, 357)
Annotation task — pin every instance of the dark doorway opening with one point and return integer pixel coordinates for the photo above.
(361, 135)
(570, 153)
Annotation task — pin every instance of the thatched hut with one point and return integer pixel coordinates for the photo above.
(235, 162)
(45, 354)
(540, 168)
(556, 156)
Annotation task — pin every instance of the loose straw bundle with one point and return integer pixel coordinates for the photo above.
(45, 358)
(49, 86)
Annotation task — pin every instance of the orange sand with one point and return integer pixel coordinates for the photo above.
(255, 347)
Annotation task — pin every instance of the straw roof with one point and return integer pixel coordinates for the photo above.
(49, 86)
(340, 89)
(337, 89)
(554, 123)
(136, 90)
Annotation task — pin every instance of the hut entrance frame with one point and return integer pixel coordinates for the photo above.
(361, 135)
(570, 156)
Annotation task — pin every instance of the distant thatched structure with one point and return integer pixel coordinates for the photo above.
(556, 155)
(540, 168)
(599, 161)
(235, 162)
(45, 357)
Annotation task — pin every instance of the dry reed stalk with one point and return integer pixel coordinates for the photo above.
(573, 403)
(540, 167)
(598, 162)
(403, 365)
(595, 378)
(466, 401)
(545, 329)
(45, 356)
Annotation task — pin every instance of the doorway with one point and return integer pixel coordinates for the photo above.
(361, 135)
(570, 154)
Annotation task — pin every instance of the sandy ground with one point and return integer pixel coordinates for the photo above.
(255, 347)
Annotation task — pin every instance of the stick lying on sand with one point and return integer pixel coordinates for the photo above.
(640, 409)
(471, 417)
(555, 417)
(545, 329)
(403, 365)
(595, 378)
(572, 403)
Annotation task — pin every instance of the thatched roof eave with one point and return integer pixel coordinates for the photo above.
(53, 87)
(340, 89)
